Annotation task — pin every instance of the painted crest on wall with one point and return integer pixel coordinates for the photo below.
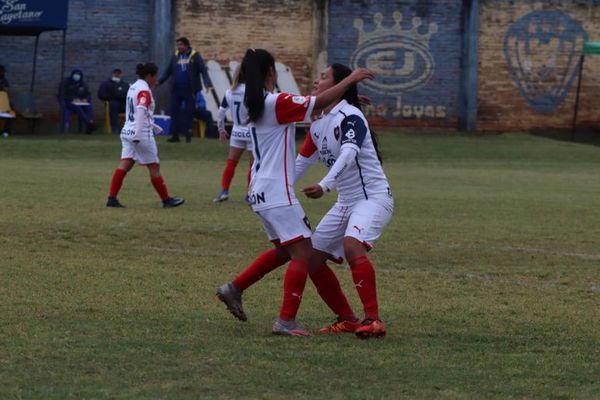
(400, 58)
(542, 52)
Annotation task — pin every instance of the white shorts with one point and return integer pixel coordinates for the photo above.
(363, 220)
(285, 225)
(240, 139)
(145, 152)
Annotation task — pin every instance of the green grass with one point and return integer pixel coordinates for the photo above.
(488, 275)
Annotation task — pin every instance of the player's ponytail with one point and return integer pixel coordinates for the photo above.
(143, 70)
(351, 96)
(256, 65)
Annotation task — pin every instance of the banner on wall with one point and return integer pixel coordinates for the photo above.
(30, 17)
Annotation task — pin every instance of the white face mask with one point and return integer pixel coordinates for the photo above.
(116, 79)
(76, 77)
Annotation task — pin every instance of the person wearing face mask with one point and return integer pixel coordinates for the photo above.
(75, 98)
(114, 91)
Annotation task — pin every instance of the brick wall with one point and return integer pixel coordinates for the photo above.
(222, 30)
(414, 48)
(101, 35)
(527, 63)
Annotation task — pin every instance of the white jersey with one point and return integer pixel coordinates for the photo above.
(139, 96)
(273, 138)
(234, 101)
(346, 126)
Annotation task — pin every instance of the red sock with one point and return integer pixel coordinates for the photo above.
(363, 275)
(249, 174)
(160, 187)
(262, 265)
(293, 287)
(116, 182)
(228, 173)
(331, 292)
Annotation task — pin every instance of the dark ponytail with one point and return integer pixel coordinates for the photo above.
(351, 96)
(143, 70)
(255, 66)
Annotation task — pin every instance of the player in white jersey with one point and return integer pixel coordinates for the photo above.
(341, 139)
(272, 117)
(137, 138)
(239, 140)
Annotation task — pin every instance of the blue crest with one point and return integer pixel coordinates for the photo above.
(542, 52)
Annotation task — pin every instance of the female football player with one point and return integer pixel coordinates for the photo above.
(271, 124)
(341, 139)
(137, 138)
(240, 136)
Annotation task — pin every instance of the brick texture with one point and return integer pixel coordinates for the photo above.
(222, 30)
(401, 41)
(101, 35)
(501, 104)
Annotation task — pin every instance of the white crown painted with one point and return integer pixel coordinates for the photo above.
(381, 31)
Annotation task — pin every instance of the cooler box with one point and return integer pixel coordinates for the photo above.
(164, 121)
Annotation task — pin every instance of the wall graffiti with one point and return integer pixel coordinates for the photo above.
(400, 58)
(542, 51)
(413, 49)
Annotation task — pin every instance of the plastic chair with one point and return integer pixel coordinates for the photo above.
(107, 127)
(6, 112)
(26, 108)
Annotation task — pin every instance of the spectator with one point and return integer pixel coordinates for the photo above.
(75, 97)
(204, 115)
(186, 66)
(4, 86)
(114, 91)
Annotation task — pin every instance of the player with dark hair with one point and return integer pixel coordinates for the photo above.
(341, 139)
(187, 67)
(271, 124)
(137, 138)
(239, 140)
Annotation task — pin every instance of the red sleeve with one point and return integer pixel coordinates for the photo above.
(290, 108)
(308, 147)
(143, 99)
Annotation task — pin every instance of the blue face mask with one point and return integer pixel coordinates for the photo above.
(76, 77)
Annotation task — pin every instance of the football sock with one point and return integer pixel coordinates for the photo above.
(160, 187)
(228, 173)
(262, 265)
(116, 182)
(331, 292)
(363, 276)
(293, 287)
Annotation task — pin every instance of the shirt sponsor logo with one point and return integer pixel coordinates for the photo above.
(257, 198)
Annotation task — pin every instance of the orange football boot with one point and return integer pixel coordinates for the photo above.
(341, 326)
(370, 328)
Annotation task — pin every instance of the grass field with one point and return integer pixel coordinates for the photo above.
(489, 278)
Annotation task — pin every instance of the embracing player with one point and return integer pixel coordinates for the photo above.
(341, 139)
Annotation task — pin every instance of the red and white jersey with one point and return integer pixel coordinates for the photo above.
(273, 138)
(139, 96)
(345, 125)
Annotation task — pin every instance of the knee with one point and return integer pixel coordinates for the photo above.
(353, 248)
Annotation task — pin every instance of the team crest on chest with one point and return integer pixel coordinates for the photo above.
(336, 133)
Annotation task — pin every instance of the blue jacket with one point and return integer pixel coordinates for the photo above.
(195, 69)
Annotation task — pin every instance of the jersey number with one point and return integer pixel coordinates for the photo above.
(130, 116)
